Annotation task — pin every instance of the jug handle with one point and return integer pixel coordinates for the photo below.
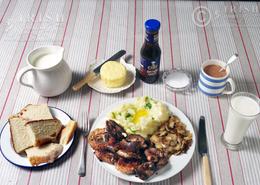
(20, 75)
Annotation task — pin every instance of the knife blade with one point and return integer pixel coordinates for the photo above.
(203, 150)
(202, 138)
(97, 67)
(96, 70)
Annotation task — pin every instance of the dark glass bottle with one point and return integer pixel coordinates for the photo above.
(150, 52)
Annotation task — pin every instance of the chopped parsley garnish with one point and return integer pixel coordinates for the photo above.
(113, 115)
(132, 130)
(148, 105)
(128, 115)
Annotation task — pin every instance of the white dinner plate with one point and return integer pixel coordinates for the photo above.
(176, 163)
(99, 85)
(21, 160)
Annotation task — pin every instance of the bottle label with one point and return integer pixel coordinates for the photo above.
(151, 37)
(149, 67)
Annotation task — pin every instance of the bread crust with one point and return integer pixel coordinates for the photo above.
(35, 161)
(11, 139)
(35, 121)
(68, 132)
(11, 134)
(45, 158)
(40, 142)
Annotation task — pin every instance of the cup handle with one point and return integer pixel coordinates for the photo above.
(20, 75)
(232, 85)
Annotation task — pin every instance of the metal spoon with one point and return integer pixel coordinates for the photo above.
(231, 59)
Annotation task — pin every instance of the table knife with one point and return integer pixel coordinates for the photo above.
(96, 70)
(203, 150)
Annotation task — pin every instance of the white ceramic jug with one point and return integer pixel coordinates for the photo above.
(50, 74)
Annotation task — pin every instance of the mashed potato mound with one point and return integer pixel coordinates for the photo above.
(143, 117)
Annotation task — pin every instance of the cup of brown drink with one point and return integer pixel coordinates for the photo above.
(213, 79)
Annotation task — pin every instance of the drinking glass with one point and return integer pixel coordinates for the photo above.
(243, 110)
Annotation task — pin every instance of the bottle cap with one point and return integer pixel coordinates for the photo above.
(177, 80)
(152, 25)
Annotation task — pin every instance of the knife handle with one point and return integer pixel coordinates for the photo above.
(206, 170)
(90, 76)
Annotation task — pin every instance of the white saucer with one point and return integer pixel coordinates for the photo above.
(10, 155)
(99, 85)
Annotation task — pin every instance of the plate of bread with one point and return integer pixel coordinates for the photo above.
(37, 136)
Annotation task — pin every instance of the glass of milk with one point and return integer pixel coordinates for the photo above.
(243, 110)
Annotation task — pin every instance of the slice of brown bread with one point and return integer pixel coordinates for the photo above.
(44, 154)
(67, 132)
(44, 131)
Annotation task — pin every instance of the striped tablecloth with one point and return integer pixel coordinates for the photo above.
(90, 29)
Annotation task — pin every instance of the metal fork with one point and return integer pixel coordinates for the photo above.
(85, 130)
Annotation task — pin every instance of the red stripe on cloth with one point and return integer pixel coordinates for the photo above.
(172, 61)
(241, 168)
(204, 30)
(100, 25)
(97, 49)
(65, 31)
(173, 67)
(18, 67)
(220, 112)
(1, 38)
(29, 178)
(91, 177)
(133, 87)
(5, 11)
(89, 106)
(142, 37)
(20, 59)
(170, 31)
(243, 43)
(134, 33)
(162, 31)
(215, 142)
(212, 125)
(30, 173)
(90, 101)
(181, 178)
(172, 54)
(222, 122)
(67, 22)
(170, 34)
(62, 42)
(247, 86)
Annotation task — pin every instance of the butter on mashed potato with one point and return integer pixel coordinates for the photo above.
(143, 117)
